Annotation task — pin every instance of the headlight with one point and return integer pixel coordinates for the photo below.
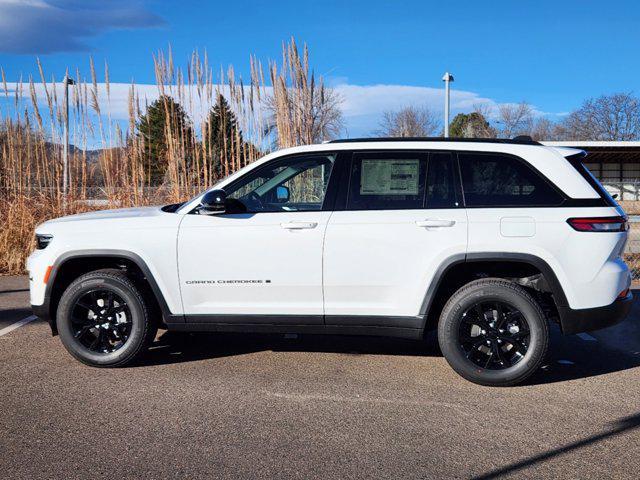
(42, 241)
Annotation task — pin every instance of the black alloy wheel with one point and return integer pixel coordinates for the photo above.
(101, 321)
(105, 319)
(493, 332)
(494, 335)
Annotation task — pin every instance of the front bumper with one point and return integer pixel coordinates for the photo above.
(42, 312)
(588, 319)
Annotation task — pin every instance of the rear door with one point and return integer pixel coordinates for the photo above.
(398, 217)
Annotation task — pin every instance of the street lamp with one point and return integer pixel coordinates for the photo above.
(65, 152)
(447, 78)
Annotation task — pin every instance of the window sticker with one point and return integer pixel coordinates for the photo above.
(389, 177)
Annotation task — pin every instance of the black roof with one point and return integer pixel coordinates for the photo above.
(521, 140)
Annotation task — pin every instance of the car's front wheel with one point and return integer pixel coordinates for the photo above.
(103, 319)
(493, 332)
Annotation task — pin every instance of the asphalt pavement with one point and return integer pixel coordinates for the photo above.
(259, 406)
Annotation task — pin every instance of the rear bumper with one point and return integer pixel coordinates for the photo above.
(588, 319)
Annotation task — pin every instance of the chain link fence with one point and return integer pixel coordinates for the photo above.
(626, 191)
(632, 250)
(627, 194)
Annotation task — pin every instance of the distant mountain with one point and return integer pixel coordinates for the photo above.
(92, 155)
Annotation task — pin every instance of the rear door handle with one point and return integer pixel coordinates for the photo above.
(299, 225)
(434, 223)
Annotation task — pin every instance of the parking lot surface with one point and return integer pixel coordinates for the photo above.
(255, 406)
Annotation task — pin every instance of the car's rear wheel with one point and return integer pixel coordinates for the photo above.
(493, 332)
(103, 320)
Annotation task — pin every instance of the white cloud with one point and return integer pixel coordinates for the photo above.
(362, 107)
(113, 102)
(364, 104)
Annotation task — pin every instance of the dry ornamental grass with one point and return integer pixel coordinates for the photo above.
(113, 163)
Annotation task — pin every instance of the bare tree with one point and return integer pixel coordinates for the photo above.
(302, 109)
(609, 117)
(515, 119)
(409, 122)
(483, 130)
(543, 129)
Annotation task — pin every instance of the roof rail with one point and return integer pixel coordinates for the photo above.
(519, 140)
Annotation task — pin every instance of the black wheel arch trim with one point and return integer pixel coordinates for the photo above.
(549, 275)
(436, 283)
(44, 311)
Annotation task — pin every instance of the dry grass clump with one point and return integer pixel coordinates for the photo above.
(20, 215)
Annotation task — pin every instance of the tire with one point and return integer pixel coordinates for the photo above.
(477, 325)
(104, 321)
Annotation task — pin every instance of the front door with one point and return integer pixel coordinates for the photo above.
(262, 261)
(402, 217)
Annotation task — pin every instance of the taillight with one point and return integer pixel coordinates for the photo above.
(599, 224)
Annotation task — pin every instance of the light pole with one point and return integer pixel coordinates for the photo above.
(447, 78)
(65, 152)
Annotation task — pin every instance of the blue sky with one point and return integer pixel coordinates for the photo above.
(553, 54)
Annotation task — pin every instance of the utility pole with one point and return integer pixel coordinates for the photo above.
(65, 152)
(447, 78)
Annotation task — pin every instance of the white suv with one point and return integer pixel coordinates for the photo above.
(486, 241)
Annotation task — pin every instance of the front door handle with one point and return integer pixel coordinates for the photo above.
(299, 225)
(435, 223)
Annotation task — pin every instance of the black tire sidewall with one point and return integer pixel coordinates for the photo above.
(138, 319)
(449, 325)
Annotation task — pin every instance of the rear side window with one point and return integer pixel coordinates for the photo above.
(387, 181)
(496, 180)
(442, 182)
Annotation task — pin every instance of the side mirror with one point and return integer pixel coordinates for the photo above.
(214, 202)
(282, 194)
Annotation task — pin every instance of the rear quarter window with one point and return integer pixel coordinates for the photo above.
(498, 180)
(576, 162)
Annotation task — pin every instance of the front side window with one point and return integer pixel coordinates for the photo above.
(292, 184)
(497, 180)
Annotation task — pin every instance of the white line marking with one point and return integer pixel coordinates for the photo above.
(587, 338)
(18, 324)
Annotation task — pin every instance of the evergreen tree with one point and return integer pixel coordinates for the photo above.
(164, 117)
(222, 137)
(471, 125)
